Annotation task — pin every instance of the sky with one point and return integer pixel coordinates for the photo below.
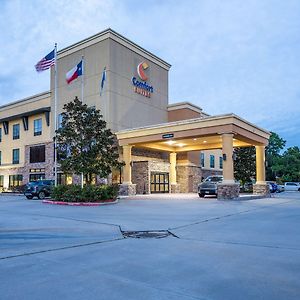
(240, 56)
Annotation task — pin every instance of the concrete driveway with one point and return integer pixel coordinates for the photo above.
(217, 250)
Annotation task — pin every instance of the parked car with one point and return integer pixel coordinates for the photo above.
(40, 189)
(209, 185)
(273, 187)
(291, 186)
(280, 188)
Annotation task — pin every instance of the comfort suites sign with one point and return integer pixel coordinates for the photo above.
(140, 86)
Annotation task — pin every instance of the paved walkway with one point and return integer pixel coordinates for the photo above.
(219, 250)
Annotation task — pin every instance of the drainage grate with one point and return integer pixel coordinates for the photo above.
(149, 234)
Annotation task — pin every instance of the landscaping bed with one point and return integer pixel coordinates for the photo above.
(96, 203)
(90, 195)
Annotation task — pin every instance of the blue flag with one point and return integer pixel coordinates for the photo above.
(103, 80)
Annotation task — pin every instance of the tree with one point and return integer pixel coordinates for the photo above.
(287, 166)
(244, 164)
(276, 144)
(85, 145)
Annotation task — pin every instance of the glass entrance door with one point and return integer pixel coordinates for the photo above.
(159, 182)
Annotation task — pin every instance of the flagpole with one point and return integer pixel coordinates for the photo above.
(83, 71)
(55, 114)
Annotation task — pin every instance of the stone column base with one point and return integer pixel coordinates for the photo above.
(127, 189)
(175, 188)
(261, 189)
(227, 191)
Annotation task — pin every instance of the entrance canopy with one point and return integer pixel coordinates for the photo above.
(195, 134)
(218, 132)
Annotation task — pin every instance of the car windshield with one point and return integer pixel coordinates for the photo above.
(213, 179)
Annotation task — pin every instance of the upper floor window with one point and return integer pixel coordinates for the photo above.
(212, 161)
(221, 162)
(16, 131)
(37, 154)
(202, 158)
(16, 156)
(59, 120)
(0, 134)
(37, 124)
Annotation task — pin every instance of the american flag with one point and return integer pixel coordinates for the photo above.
(46, 62)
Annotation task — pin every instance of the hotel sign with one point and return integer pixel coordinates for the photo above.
(168, 135)
(141, 86)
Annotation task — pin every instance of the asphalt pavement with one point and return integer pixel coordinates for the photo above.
(215, 249)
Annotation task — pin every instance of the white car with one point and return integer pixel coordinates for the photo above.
(292, 186)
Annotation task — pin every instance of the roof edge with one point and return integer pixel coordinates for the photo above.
(185, 104)
(111, 33)
(38, 96)
(190, 121)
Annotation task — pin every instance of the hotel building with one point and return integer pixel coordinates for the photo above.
(165, 147)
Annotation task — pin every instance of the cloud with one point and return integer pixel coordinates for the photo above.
(226, 56)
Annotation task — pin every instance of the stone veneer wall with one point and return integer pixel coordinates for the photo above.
(206, 173)
(228, 191)
(140, 176)
(48, 165)
(184, 172)
(261, 189)
(145, 154)
(141, 171)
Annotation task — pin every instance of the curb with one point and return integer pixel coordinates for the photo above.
(79, 203)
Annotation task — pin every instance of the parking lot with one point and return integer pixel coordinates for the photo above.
(215, 249)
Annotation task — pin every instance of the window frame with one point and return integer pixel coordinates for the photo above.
(16, 133)
(202, 159)
(14, 161)
(212, 162)
(39, 126)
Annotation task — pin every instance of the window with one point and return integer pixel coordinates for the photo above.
(0, 134)
(16, 131)
(15, 180)
(212, 161)
(37, 124)
(59, 120)
(35, 177)
(221, 162)
(202, 158)
(37, 154)
(16, 156)
(1, 181)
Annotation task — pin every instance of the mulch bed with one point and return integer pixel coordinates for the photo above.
(99, 203)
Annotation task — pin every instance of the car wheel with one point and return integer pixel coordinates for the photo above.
(41, 195)
(299, 190)
(29, 197)
(201, 195)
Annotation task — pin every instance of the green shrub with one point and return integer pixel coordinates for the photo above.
(89, 193)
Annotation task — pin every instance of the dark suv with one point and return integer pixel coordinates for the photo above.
(209, 186)
(40, 189)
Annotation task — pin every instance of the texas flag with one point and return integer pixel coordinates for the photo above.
(74, 73)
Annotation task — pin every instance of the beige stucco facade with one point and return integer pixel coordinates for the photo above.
(17, 113)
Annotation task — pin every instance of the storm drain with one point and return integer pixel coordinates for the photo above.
(149, 234)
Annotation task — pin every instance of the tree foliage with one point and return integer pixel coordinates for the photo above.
(244, 164)
(85, 145)
(287, 166)
(276, 144)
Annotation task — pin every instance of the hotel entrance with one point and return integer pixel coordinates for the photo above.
(159, 182)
